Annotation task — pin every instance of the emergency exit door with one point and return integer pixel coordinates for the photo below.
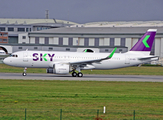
(127, 59)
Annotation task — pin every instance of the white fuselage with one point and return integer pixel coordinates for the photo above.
(46, 59)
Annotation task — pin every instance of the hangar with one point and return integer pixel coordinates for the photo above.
(70, 36)
(12, 30)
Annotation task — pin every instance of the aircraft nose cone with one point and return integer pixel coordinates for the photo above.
(6, 61)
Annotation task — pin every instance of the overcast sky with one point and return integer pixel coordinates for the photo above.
(84, 11)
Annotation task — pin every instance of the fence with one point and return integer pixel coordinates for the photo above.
(77, 114)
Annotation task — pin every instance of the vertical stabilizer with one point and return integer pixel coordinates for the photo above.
(146, 41)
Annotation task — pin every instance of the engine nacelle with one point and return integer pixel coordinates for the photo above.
(59, 69)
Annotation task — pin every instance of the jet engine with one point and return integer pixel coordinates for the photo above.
(59, 69)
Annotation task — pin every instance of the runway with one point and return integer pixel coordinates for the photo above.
(33, 76)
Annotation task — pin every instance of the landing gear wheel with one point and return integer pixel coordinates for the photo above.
(80, 74)
(74, 74)
(25, 70)
(24, 74)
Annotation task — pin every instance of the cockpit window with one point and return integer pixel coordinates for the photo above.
(13, 55)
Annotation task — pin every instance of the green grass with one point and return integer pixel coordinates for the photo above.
(80, 99)
(143, 70)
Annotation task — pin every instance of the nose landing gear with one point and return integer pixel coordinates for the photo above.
(25, 70)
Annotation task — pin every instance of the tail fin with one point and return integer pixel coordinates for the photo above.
(146, 41)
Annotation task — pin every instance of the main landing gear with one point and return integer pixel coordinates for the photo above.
(79, 74)
(25, 70)
(74, 74)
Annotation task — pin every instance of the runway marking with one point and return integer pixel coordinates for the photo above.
(33, 76)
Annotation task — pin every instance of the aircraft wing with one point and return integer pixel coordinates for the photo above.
(84, 62)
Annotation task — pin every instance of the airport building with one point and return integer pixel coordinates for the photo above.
(57, 35)
(15, 31)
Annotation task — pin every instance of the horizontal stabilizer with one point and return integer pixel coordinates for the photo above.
(146, 58)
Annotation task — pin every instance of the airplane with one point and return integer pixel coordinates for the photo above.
(2, 52)
(66, 62)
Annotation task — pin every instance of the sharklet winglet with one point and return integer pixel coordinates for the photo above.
(112, 53)
(85, 50)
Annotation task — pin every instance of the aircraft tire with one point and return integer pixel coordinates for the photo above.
(24, 74)
(74, 74)
(80, 74)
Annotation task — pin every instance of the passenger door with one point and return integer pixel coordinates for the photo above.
(25, 56)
